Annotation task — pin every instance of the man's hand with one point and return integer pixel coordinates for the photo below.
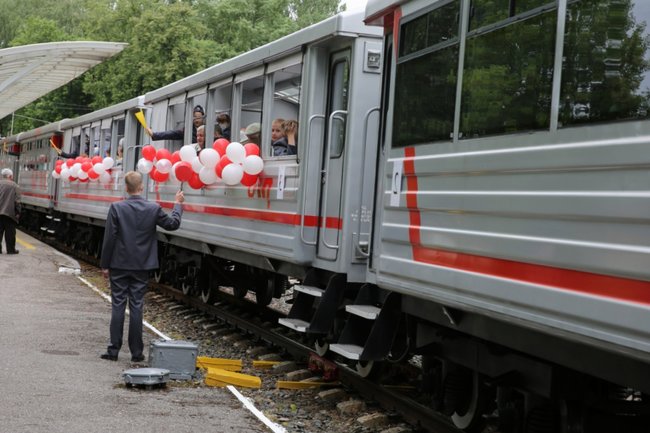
(180, 197)
(149, 131)
(105, 273)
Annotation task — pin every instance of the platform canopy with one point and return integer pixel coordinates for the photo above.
(28, 72)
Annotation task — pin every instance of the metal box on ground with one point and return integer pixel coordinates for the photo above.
(179, 357)
(145, 376)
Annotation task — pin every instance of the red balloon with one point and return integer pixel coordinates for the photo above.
(224, 161)
(220, 145)
(149, 152)
(176, 156)
(163, 154)
(72, 179)
(249, 179)
(87, 165)
(59, 162)
(252, 149)
(83, 180)
(92, 174)
(58, 168)
(69, 162)
(79, 159)
(184, 171)
(96, 160)
(158, 176)
(195, 181)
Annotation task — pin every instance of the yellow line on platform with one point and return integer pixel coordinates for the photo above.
(25, 244)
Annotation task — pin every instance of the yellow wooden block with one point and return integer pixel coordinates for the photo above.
(265, 364)
(287, 384)
(217, 383)
(223, 363)
(232, 378)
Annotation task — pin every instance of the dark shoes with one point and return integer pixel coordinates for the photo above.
(137, 358)
(107, 356)
(13, 252)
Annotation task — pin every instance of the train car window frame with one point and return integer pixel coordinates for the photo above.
(219, 102)
(596, 83)
(288, 90)
(198, 97)
(250, 94)
(339, 100)
(505, 93)
(414, 120)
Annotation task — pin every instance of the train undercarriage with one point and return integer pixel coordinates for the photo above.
(477, 371)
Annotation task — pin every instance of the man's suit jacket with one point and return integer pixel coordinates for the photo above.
(9, 199)
(130, 241)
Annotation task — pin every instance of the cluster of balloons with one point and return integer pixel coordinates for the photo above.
(84, 169)
(233, 163)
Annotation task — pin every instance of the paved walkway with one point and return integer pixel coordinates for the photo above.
(52, 330)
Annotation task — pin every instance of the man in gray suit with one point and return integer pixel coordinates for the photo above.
(129, 252)
(9, 210)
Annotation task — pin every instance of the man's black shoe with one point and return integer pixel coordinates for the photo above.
(13, 252)
(108, 357)
(137, 358)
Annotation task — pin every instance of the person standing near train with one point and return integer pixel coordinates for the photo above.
(9, 210)
(129, 253)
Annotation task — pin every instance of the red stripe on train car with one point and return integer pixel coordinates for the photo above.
(35, 194)
(259, 215)
(619, 288)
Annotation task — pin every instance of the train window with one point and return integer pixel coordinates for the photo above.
(250, 115)
(338, 100)
(605, 76)
(508, 76)
(175, 121)
(285, 109)
(221, 118)
(105, 139)
(437, 26)
(487, 12)
(195, 118)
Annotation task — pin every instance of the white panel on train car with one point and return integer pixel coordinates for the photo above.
(159, 115)
(247, 75)
(220, 83)
(285, 62)
(178, 99)
(194, 92)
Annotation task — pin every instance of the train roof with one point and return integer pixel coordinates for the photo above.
(375, 9)
(48, 129)
(104, 113)
(343, 24)
(30, 71)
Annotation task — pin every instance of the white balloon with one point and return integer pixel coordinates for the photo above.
(144, 166)
(65, 172)
(172, 180)
(208, 175)
(56, 175)
(188, 153)
(75, 169)
(196, 165)
(209, 157)
(105, 178)
(236, 152)
(232, 174)
(82, 175)
(253, 164)
(108, 162)
(164, 165)
(99, 168)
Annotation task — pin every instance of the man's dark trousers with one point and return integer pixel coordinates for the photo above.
(127, 286)
(8, 228)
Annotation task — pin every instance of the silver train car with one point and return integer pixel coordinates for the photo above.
(307, 211)
(511, 239)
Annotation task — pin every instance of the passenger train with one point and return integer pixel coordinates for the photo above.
(470, 186)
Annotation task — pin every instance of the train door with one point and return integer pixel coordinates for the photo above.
(334, 156)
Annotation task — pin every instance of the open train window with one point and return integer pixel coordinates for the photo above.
(221, 106)
(287, 83)
(251, 94)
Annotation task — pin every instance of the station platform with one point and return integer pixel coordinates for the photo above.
(52, 330)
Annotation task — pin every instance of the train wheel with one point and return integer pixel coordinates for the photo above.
(207, 295)
(239, 292)
(264, 290)
(364, 368)
(186, 286)
(466, 398)
(321, 346)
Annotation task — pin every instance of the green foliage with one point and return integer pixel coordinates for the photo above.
(168, 40)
